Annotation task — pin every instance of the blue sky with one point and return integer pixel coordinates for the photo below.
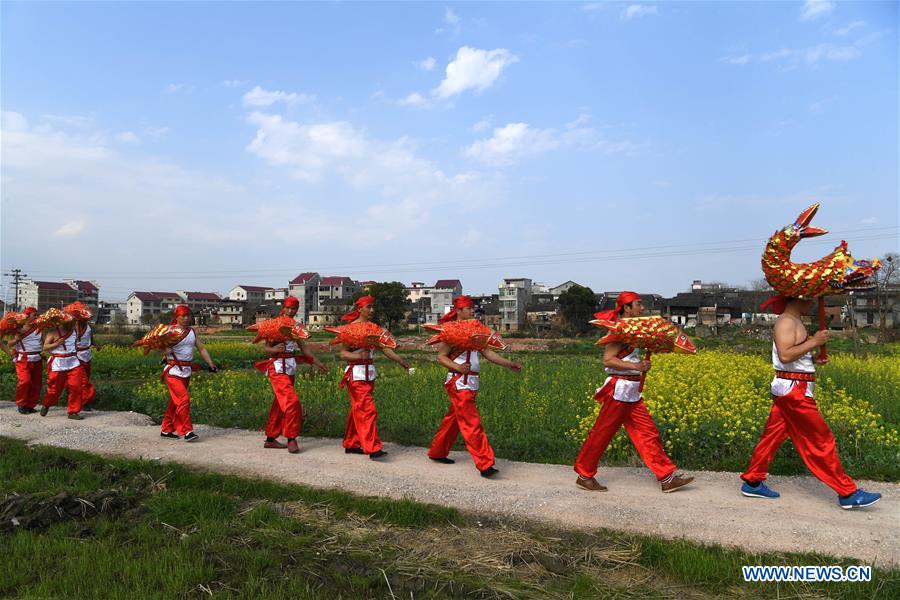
(198, 146)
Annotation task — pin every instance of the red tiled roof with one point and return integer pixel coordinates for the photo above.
(303, 278)
(87, 286)
(202, 296)
(55, 285)
(447, 283)
(335, 281)
(253, 288)
(156, 296)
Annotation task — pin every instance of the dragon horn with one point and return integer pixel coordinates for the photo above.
(804, 220)
(432, 327)
(610, 337)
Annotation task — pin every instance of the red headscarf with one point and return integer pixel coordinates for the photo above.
(778, 303)
(290, 302)
(30, 310)
(354, 314)
(458, 303)
(182, 310)
(614, 313)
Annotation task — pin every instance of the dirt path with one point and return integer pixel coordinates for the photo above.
(711, 510)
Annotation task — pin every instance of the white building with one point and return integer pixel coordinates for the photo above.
(305, 288)
(248, 293)
(145, 307)
(515, 294)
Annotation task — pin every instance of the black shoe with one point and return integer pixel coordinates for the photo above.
(489, 472)
(76, 417)
(86, 408)
(24, 410)
(353, 451)
(45, 410)
(169, 435)
(191, 437)
(377, 454)
(443, 461)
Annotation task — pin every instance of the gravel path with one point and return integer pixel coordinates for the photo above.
(711, 510)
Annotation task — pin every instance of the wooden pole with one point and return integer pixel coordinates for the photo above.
(823, 352)
(644, 374)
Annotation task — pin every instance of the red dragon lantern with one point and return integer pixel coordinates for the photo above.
(470, 334)
(362, 335)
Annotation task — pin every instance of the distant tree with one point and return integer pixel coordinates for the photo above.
(118, 322)
(887, 280)
(577, 306)
(760, 285)
(390, 302)
(147, 319)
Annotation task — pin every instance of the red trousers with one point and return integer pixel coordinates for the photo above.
(71, 381)
(28, 389)
(89, 393)
(177, 417)
(798, 417)
(462, 417)
(362, 428)
(640, 428)
(286, 413)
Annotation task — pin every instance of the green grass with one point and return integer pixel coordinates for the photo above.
(185, 533)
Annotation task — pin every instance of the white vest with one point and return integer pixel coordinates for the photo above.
(363, 372)
(29, 343)
(65, 363)
(804, 364)
(83, 342)
(470, 381)
(625, 391)
(287, 366)
(183, 351)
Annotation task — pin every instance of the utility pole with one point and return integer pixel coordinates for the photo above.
(16, 274)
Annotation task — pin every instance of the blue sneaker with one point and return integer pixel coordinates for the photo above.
(858, 499)
(758, 491)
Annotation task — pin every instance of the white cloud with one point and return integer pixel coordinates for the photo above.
(813, 9)
(259, 97)
(128, 137)
(473, 69)
(415, 100)
(176, 87)
(69, 229)
(156, 132)
(818, 107)
(636, 11)
(869, 221)
(426, 64)
(849, 27)
(741, 59)
(482, 125)
(72, 120)
(593, 7)
(234, 83)
(811, 57)
(452, 21)
(512, 142)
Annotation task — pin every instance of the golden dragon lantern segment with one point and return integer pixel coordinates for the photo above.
(161, 336)
(835, 273)
(470, 334)
(12, 322)
(654, 334)
(279, 329)
(53, 319)
(363, 335)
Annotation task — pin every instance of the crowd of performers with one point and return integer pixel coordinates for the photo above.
(463, 344)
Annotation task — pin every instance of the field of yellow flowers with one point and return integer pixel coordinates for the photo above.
(710, 408)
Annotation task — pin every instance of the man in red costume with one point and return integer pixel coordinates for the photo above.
(281, 368)
(83, 342)
(26, 353)
(361, 433)
(177, 376)
(623, 404)
(64, 371)
(462, 384)
(794, 412)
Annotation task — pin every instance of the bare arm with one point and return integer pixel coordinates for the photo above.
(53, 341)
(273, 349)
(612, 361)
(495, 358)
(444, 358)
(395, 357)
(304, 349)
(204, 353)
(349, 355)
(787, 332)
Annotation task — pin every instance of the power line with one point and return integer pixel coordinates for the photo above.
(702, 247)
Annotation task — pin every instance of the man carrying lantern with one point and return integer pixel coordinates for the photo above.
(180, 365)
(361, 432)
(26, 354)
(64, 370)
(83, 343)
(622, 403)
(281, 368)
(462, 383)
